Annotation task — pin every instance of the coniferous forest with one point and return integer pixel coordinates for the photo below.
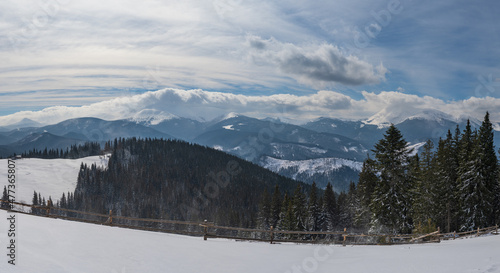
(174, 180)
(454, 186)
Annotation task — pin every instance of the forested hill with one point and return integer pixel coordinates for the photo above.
(171, 179)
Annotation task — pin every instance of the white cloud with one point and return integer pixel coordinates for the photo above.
(315, 65)
(205, 105)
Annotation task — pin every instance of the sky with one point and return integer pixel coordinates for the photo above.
(346, 59)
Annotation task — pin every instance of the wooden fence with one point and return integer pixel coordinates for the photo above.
(210, 230)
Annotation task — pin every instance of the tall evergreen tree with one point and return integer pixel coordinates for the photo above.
(329, 209)
(264, 216)
(366, 186)
(488, 171)
(5, 197)
(445, 198)
(313, 209)
(424, 186)
(299, 209)
(287, 218)
(343, 215)
(354, 205)
(35, 202)
(472, 215)
(275, 207)
(391, 203)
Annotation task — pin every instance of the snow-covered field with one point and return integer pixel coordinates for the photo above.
(52, 245)
(50, 177)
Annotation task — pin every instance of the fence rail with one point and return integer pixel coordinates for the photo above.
(210, 230)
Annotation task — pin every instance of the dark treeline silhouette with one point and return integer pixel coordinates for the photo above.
(73, 152)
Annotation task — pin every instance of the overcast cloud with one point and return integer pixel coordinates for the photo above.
(204, 105)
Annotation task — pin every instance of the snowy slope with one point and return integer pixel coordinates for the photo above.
(52, 245)
(310, 166)
(50, 177)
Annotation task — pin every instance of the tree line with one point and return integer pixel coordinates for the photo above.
(72, 152)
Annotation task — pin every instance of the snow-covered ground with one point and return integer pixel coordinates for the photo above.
(53, 245)
(50, 177)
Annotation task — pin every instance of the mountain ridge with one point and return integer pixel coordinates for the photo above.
(250, 138)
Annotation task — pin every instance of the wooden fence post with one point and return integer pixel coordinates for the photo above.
(205, 230)
(49, 204)
(110, 217)
(345, 236)
(454, 235)
(272, 235)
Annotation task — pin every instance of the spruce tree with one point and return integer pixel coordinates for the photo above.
(472, 214)
(465, 146)
(342, 211)
(299, 209)
(479, 178)
(366, 186)
(353, 205)
(424, 185)
(287, 219)
(264, 216)
(5, 197)
(35, 202)
(391, 203)
(275, 207)
(330, 209)
(488, 171)
(446, 190)
(313, 209)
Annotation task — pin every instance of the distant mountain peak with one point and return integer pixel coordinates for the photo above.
(152, 117)
(227, 116)
(386, 116)
(24, 123)
(230, 115)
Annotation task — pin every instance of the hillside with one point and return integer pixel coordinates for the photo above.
(167, 179)
(59, 246)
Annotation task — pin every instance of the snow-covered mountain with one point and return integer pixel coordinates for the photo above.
(388, 116)
(320, 170)
(24, 123)
(152, 117)
(256, 140)
(252, 138)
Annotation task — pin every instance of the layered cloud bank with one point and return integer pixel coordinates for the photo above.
(384, 107)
